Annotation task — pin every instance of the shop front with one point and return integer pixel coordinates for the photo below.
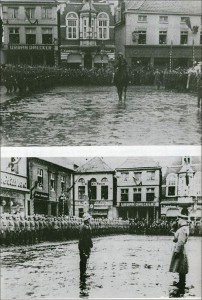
(43, 205)
(143, 210)
(14, 195)
(31, 54)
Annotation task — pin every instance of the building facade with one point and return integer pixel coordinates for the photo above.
(159, 33)
(30, 32)
(139, 189)
(95, 189)
(51, 187)
(86, 33)
(181, 188)
(14, 193)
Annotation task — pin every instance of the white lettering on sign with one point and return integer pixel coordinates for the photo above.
(30, 47)
(128, 204)
(13, 181)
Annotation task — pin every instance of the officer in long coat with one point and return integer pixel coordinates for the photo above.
(179, 260)
(85, 243)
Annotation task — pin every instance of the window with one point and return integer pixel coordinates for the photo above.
(81, 192)
(142, 37)
(104, 189)
(85, 28)
(13, 12)
(163, 19)
(183, 37)
(47, 13)
(124, 194)
(62, 183)
(137, 177)
(40, 178)
(81, 181)
(30, 13)
(137, 194)
(14, 37)
(30, 36)
(72, 26)
(47, 37)
(150, 175)
(142, 18)
(197, 183)
(92, 191)
(52, 182)
(183, 19)
(162, 37)
(201, 38)
(171, 185)
(150, 194)
(186, 160)
(125, 176)
(103, 26)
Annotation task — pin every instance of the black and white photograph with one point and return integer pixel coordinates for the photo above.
(101, 227)
(100, 150)
(101, 72)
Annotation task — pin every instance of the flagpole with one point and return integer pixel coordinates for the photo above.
(193, 53)
(171, 56)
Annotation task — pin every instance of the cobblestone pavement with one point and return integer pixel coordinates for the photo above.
(125, 266)
(75, 116)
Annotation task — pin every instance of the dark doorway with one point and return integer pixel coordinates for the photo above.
(88, 61)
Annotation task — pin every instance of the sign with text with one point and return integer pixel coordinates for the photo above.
(13, 181)
(41, 195)
(140, 204)
(31, 47)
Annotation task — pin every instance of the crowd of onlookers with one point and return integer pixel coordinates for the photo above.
(17, 229)
(23, 78)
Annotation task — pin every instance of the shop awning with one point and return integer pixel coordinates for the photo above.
(101, 59)
(196, 213)
(74, 58)
(171, 213)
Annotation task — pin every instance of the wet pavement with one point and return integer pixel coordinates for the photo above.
(124, 266)
(85, 116)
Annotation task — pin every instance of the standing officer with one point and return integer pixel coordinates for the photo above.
(85, 243)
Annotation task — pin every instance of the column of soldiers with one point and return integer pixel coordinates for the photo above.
(20, 230)
(24, 79)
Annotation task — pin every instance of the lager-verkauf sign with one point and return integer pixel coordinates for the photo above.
(12, 181)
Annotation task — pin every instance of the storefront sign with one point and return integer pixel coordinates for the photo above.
(31, 47)
(12, 181)
(40, 195)
(140, 204)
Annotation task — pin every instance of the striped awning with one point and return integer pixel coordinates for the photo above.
(172, 212)
(74, 58)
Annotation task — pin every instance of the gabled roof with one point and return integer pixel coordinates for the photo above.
(187, 7)
(87, 7)
(95, 165)
(139, 163)
(60, 161)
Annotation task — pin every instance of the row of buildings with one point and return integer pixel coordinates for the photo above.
(89, 33)
(139, 188)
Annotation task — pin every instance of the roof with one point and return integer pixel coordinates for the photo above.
(166, 6)
(94, 165)
(30, 2)
(140, 162)
(60, 161)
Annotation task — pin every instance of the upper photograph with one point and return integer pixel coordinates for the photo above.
(100, 72)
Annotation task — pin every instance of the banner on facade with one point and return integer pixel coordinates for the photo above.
(140, 204)
(12, 181)
(41, 195)
(31, 47)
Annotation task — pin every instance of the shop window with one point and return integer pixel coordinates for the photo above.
(184, 37)
(47, 13)
(81, 192)
(62, 183)
(142, 35)
(103, 26)
(52, 182)
(47, 37)
(40, 178)
(162, 37)
(30, 36)
(150, 175)
(124, 194)
(163, 19)
(137, 192)
(30, 13)
(14, 36)
(72, 26)
(13, 12)
(125, 176)
(150, 194)
(171, 185)
(142, 18)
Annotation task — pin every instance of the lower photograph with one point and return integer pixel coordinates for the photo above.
(101, 227)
